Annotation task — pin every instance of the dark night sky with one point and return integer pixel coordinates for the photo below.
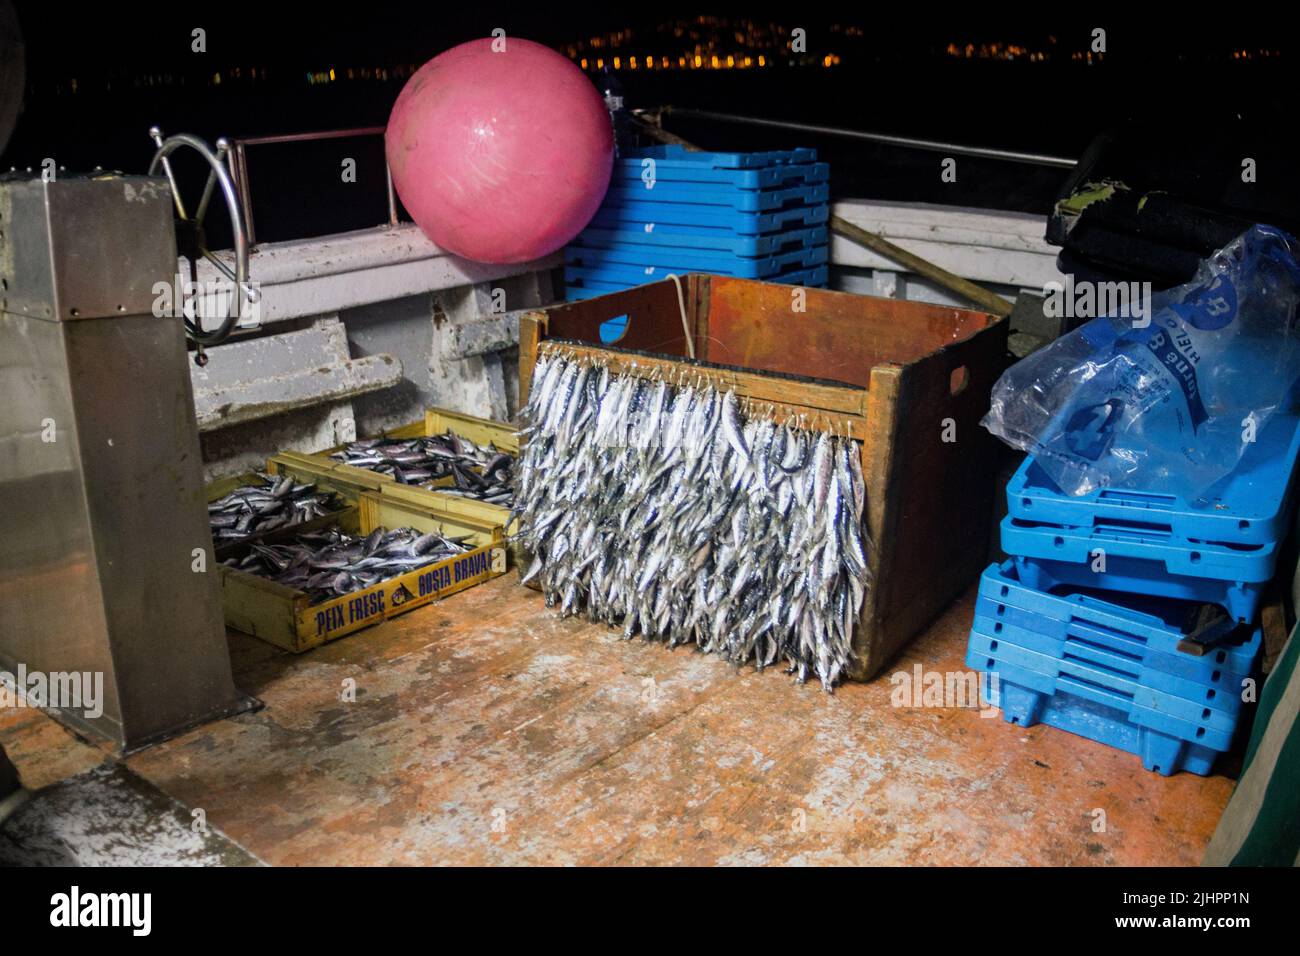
(1172, 73)
(63, 39)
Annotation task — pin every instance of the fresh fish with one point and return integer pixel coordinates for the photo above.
(481, 472)
(669, 511)
(269, 503)
(331, 563)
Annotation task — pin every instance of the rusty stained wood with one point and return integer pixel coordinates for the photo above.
(487, 731)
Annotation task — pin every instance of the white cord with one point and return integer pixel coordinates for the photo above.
(686, 325)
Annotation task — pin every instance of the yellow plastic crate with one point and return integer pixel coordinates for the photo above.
(285, 616)
(351, 481)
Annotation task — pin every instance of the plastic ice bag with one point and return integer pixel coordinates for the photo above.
(1167, 397)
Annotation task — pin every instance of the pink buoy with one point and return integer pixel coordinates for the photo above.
(500, 156)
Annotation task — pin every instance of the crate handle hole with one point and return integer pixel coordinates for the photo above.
(959, 379)
(612, 330)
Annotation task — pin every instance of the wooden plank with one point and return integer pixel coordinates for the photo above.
(913, 263)
(400, 506)
(653, 318)
(838, 336)
(532, 327)
(936, 471)
(260, 607)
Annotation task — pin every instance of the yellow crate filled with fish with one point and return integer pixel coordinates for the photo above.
(450, 460)
(248, 507)
(386, 557)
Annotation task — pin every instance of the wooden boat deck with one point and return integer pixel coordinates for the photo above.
(486, 731)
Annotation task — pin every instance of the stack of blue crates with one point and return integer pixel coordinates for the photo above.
(672, 211)
(1097, 624)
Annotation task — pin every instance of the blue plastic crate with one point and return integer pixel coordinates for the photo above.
(681, 156)
(626, 261)
(720, 240)
(709, 220)
(640, 176)
(600, 282)
(1251, 505)
(1190, 720)
(1105, 723)
(672, 164)
(1179, 697)
(1050, 556)
(621, 196)
(1145, 632)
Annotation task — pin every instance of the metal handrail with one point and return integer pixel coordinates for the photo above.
(240, 166)
(938, 146)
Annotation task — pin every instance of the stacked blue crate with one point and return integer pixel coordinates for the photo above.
(672, 211)
(1087, 626)
(1125, 671)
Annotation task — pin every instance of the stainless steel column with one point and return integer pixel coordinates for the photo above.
(102, 510)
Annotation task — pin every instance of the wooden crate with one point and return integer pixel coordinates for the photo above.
(909, 380)
(352, 481)
(285, 616)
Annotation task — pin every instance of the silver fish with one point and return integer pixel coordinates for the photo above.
(331, 563)
(662, 509)
(481, 472)
(268, 503)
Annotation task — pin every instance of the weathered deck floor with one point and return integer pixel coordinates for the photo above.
(485, 731)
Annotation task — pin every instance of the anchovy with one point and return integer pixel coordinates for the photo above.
(268, 503)
(481, 472)
(671, 512)
(331, 563)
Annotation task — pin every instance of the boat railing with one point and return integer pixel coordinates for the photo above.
(239, 166)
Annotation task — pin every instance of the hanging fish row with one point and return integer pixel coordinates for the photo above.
(659, 507)
(481, 472)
